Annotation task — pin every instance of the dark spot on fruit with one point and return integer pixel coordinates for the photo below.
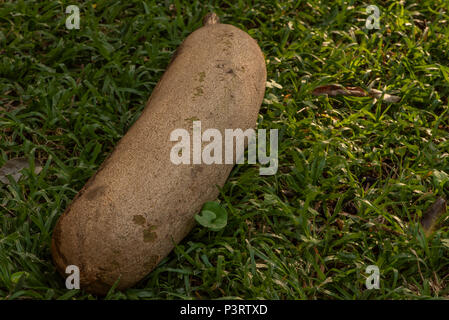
(139, 219)
(149, 235)
(191, 119)
(198, 91)
(201, 75)
(95, 192)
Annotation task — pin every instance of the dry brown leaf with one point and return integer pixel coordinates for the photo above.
(432, 214)
(337, 89)
(14, 167)
(377, 94)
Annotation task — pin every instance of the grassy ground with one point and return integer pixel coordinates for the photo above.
(354, 176)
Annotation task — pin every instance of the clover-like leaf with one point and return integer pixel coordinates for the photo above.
(212, 216)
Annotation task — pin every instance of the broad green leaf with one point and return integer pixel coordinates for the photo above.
(212, 216)
(15, 277)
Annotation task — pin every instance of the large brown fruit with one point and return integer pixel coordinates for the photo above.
(130, 214)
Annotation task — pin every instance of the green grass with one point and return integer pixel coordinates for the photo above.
(354, 176)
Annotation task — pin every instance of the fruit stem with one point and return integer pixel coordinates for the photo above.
(210, 18)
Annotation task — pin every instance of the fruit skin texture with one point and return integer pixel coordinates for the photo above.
(138, 205)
